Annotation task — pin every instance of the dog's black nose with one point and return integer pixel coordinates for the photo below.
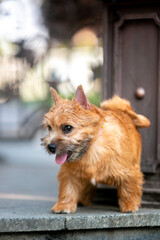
(52, 148)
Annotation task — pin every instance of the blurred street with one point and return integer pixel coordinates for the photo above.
(28, 182)
(27, 172)
(26, 152)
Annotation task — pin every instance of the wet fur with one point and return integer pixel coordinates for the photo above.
(106, 149)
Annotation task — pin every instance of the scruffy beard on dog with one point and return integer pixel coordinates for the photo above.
(95, 145)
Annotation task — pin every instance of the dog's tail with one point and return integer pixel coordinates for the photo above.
(117, 103)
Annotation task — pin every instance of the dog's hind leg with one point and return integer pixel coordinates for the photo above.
(130, 191)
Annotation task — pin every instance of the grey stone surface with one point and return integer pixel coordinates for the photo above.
(24, 216)
(27, 195)
(96, 218)
(29, 216)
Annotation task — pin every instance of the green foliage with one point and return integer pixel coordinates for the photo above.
(70, 96)
(94, 98)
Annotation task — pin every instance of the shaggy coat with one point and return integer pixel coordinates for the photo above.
(103, 146)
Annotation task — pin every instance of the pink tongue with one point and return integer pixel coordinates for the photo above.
(60, 159)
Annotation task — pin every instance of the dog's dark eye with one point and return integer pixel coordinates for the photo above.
(49, 128)
(67, 129)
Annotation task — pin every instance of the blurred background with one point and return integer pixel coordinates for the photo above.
(44, 43)
(58, 43)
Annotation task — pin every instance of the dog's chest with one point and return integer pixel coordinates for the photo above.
(93, 181)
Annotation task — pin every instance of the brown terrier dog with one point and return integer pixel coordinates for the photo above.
(95, 145)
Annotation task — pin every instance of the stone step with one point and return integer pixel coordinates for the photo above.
(32, 220)
(28, 193)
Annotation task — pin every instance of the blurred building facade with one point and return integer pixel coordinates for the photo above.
(43, 44)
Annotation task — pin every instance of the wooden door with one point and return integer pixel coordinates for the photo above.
(131, 61)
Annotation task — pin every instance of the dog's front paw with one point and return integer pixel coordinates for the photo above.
(64, 208)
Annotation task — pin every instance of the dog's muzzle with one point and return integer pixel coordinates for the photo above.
(52, 148)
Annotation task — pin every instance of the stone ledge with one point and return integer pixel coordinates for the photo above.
(35, 217)
(26, 214)
(114, 219)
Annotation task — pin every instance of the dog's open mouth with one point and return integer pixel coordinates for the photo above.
(60, 159)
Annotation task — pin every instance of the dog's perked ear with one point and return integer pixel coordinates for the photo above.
(81, 98)
(55, 96)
